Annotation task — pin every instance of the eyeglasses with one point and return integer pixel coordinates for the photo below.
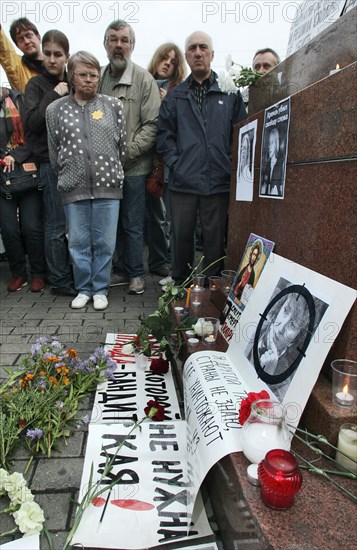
(121, 39)
(27, 36)
(91, 76)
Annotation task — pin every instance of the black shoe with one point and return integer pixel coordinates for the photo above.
(63, 291)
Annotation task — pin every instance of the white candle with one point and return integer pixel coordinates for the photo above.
(344, 398)
(347, 443)
(335, 70)
(193, 341)
(210, 339)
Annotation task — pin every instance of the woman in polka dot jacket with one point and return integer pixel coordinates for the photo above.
(86, 139)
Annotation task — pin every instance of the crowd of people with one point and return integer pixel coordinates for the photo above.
(94, 134)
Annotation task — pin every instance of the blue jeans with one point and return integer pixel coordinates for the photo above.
(56, 248)
(92, 227)
(130, 238)
(157, 234)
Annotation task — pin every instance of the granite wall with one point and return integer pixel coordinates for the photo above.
(315, 224)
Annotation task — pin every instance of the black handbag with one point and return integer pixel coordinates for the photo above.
(23, 178)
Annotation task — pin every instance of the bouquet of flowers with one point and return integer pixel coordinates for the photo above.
(40, 400)
(158, 326)
(26, 512)
(236, 77)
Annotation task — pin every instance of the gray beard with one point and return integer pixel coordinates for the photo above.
(118, 65)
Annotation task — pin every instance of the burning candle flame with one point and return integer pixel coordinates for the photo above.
(337, 67)
(345, 389)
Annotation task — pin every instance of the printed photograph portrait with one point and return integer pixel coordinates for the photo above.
(245, 164)
(283, 335)
(274, 151)
(249, 272)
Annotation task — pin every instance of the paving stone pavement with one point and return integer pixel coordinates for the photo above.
(24, 317)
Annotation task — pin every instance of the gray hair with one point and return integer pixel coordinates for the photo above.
(208, 37)
(81, 57)
(120, 24)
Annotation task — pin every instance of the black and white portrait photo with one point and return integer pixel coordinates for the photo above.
(274, 151)
(283, 334)
(245, 165)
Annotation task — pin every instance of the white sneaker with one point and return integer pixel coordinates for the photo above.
(80, 301)
(165, 281)
(100, 302)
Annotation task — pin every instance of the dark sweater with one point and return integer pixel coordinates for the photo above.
(39, 93)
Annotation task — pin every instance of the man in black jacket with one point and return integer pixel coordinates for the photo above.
(195, 135)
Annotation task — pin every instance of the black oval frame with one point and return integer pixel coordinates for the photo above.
(278, 378)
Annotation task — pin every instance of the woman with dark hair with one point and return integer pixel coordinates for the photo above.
(40, 92)
(20, 214)
(168, 68)
(86, 138)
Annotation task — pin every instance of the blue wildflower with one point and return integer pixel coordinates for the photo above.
(41, 384)
(35, 433)
(86, 419)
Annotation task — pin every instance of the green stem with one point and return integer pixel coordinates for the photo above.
(333, 472)
(322, 439)
(322, 472)
(94, 490)
(48, 537)
(9, 533)
(28, 464)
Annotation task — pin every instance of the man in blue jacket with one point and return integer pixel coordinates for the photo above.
(195, 134)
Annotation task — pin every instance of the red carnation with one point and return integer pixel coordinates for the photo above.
(155, 411)
(246, 404)
(159, 366)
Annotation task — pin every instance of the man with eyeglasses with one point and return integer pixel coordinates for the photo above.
(138, 91)
(19, 69)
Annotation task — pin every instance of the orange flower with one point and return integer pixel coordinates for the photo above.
(66, 380)
(72, 353)
(53, 380)
(52, 359)
(42, 372)
(62, 369)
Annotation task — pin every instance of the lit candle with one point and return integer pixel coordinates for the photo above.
(188, 297)
(210, 339)
(333, 71)
(347, 443)
(344, 398)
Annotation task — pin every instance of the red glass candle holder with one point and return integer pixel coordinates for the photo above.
(280, 479)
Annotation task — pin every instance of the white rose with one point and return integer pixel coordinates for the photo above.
(4, 475)
(29, 518)
(226, 84)
(229, 62)
(22, 495)
(198, 327)
(127, 349)
(202, 324)
(234, 71)
(14, 483)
